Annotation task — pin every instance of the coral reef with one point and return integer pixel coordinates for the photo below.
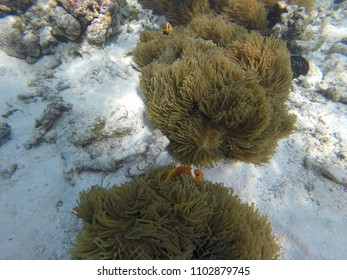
(13, 7)
(292, 22)
(30, 29)
(98, 18)
(213, 102)
(64, 25)
(152, 217)
(307, 4)
(38, 29)
(15, 42)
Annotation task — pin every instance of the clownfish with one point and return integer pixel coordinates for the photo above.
(191, 171)
(166, 28)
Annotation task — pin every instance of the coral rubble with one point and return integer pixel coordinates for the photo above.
(49, 117)
(5, 130)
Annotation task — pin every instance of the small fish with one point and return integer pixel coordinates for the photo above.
(191, 171)
(166, 28)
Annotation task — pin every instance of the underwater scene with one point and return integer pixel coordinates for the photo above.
(177, 129)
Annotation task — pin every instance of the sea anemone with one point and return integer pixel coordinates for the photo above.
(222, 98)
(152, 217)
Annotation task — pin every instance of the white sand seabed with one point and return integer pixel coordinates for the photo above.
(302, 189)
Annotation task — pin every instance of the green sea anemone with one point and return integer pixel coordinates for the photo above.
(248, 13)
(153, 217)
(216, 97)
(251, 14)
(178, 12)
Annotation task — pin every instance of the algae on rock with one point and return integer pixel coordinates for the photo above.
(153, 217)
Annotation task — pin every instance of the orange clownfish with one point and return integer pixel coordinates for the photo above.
(166, 28)
(191, 171)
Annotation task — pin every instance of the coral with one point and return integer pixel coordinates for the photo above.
(153, 217)
(308, 4)
(17, 43)
(98, 18)
(37, 30)
(213, 102)
(14, 7)
(64, 25)
(288, 22)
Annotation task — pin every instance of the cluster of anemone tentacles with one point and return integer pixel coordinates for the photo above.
(251, 14)
(216, 90)
(153, 217)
